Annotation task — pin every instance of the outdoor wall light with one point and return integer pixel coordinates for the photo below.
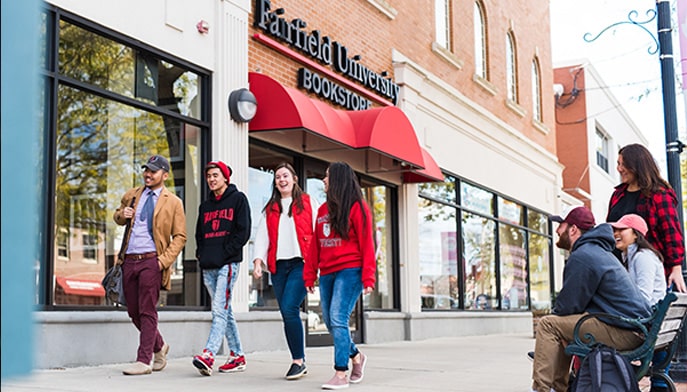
(242, 105)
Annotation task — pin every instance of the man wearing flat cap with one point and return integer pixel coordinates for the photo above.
(156, 237)
(594, 281)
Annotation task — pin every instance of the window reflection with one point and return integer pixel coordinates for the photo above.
(477, 199)
(438, 256)
(481, 278)
(102, 62)
(445, 191)
(540, 283)
(377, 198)
(480, 263)
(101, 146)
(513, 269)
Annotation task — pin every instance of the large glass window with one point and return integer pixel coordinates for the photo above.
(101, 140)
(503, 247)
(479, 250)
(438, 256)
(380, 198)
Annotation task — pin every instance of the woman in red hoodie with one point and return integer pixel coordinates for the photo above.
(343, 253)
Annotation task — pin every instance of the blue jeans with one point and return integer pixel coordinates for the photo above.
(290, 292)
(339, 291)
(220, 286)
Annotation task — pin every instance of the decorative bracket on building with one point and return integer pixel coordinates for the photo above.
(631, 20)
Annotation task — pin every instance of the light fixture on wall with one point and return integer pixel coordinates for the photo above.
(242, 105)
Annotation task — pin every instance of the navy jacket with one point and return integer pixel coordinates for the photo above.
(595, 281)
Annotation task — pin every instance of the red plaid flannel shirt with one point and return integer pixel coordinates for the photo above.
(660, 213)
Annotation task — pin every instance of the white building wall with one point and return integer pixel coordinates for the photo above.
(467, 140)
(166, 24)
(605, 112)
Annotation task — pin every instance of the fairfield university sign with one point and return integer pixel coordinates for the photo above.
(328, 52)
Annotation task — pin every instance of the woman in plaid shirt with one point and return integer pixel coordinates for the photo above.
(644, 192)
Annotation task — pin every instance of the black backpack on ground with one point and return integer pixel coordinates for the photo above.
(605, 370)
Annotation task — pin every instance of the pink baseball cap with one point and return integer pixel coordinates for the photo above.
(631, 221)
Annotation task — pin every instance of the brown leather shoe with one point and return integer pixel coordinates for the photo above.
(137, 369)
(160, 358)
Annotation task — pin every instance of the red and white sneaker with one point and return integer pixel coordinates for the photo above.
(234, 364)
(204, 362)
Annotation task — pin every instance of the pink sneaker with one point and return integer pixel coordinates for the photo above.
(234, 364)
(336, 383)
(357, 372)
(204, 362)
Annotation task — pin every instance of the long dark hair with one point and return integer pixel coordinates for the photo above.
(296, 193)
(342, 193)
(638, 160)
(643, 243)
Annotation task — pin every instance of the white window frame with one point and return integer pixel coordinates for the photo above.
(480, 30)
(511, 68)
(442, 23)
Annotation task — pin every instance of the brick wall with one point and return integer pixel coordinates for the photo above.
(364, 30)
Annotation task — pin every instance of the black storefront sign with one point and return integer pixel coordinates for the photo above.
(331, 91)
(321, 48)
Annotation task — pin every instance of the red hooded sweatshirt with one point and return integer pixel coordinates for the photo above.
(330, 253)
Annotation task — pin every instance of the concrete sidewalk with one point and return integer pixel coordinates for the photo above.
(496, 363)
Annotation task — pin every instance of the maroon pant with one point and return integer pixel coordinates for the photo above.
(142, 280)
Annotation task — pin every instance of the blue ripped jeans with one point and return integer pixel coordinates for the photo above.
(339, 291)
(220, 285)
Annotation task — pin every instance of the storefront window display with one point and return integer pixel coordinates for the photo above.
(115, 105)
(502, 245)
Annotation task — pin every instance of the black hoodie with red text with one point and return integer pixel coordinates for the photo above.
(223, 228)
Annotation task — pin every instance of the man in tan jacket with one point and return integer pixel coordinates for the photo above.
(155, 239)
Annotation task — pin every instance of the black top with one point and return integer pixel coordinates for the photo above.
(626, 205)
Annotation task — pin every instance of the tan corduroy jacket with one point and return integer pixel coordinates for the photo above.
(169, 228)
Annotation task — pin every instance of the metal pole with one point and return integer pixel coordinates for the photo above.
(673, 147)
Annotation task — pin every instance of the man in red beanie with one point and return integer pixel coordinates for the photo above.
(222, 230)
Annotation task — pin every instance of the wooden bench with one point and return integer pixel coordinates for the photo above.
(661, 332)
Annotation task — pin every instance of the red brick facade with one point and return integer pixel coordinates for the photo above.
(364, 30)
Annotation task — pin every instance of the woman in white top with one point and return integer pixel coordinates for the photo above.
(644, 263)
(282, 244)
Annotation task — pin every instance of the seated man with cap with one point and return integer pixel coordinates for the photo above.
(594, 281)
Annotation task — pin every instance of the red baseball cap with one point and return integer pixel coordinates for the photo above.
(578, 216)
(631, 221)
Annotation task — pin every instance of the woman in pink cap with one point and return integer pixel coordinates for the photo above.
(643, 261)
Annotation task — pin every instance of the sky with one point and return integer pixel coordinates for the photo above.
(621, 57)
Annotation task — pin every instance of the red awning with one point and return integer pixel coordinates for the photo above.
(383, 137)
(388, 131)
(431, 172)
(293, 119)
(81, 287)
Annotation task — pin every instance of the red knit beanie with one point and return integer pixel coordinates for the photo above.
(223, 167)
